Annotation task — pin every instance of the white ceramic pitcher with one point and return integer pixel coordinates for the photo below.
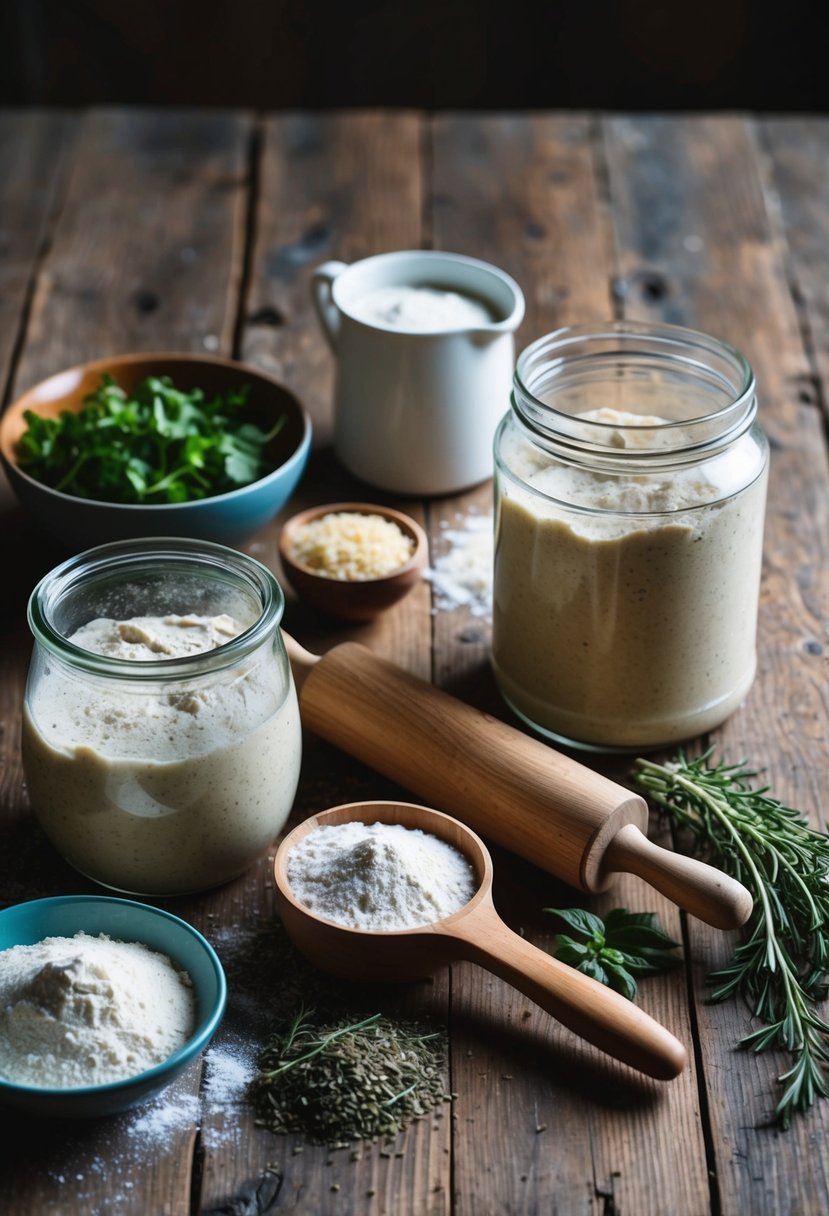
(416, 412)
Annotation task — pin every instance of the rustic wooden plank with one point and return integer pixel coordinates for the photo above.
(329, 186)
(147, 254)
(546, 1123)
(148, 251)
(696, 246)
(797, 191)
(33, 154)
(796, 159)
(521, 191)
(33, 151)
(341, 186)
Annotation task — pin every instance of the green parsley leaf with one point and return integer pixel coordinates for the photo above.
(157, 445)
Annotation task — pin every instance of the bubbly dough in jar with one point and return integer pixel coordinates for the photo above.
(162, 787)
(624, 607)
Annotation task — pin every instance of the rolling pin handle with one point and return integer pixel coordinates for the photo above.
(701, 889)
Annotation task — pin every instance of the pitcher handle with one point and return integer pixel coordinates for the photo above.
(322, 282)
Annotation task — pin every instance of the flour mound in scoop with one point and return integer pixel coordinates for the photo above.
(379, 876)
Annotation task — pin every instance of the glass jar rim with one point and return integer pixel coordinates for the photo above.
(567, 352)
(150, 551)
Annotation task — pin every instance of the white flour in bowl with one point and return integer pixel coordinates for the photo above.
(83, 1010)
(379, 875)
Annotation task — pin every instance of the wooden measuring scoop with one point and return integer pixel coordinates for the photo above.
(517, 791)
(475, 933)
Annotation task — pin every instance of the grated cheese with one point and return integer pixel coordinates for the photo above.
(351, 546)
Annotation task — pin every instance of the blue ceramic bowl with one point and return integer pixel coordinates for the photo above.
(224, 518)
(121, 919)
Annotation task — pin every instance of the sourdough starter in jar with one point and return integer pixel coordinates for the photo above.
(162, 751)
(628, 541)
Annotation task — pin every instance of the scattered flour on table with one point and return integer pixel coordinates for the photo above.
(84, 1010)
(379, 875)
(461, 575)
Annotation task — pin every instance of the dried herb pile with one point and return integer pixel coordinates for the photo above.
(333, 1071)
(340, 1081)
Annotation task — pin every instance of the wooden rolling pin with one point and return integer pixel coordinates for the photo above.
(513, 789)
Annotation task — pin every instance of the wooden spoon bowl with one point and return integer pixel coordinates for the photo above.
(475, 933)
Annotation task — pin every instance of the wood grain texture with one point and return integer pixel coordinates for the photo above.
(696, 246)
(526, 192)
(144, 254)
(330, 186)
(148, 251)
(201, 230)
(33, 153)
(530, 191)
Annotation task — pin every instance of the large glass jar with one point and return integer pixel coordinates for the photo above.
(161, 733)
(630, 485)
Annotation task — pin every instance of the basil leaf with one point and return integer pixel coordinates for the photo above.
(619, 978)
(630, 929)
(618, 948)
(580, 920)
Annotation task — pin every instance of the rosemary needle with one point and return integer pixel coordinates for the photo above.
(320, 1044)
(780, 966)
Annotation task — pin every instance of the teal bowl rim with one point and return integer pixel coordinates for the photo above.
(173, 1063)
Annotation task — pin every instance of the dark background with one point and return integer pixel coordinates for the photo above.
(276, 54)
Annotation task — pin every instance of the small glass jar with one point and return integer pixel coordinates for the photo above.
(630, 486)
(170, 773)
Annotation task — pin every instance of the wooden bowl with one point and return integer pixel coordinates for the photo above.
(353, 599)
(225, 518)
(377, 955)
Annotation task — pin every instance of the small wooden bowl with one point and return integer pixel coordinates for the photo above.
(385, 956)
(353, 599)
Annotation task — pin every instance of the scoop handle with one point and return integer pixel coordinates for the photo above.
(598, 1014)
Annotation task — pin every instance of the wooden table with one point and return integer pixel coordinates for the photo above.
(128, 230)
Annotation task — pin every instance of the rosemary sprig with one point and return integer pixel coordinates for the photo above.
(780, 966)
(300, 1030)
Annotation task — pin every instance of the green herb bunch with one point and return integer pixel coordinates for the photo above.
(155, 445)
(780, 966)
(614, 951)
